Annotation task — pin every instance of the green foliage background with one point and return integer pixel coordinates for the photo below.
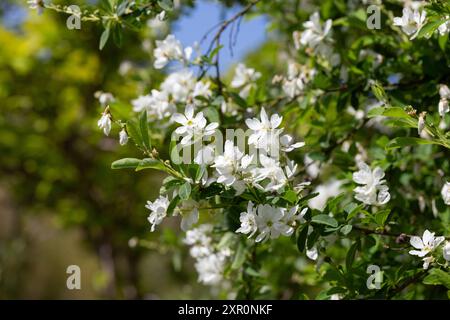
(61, 204)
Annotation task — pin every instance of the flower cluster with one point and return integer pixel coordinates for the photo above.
(170, 49)
(210, 260)
(373, 190)
(270, 222)
(244, 79)
(318, 38)
(178, 87)
(425, 247)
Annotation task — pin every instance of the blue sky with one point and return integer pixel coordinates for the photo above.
(206, 15)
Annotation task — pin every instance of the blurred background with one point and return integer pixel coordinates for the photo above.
(60, 203)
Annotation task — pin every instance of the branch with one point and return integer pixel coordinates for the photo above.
(216, 39)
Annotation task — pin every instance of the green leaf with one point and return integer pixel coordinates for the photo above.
(301, 239)
(143, 125)
(345, 230)
(308, 197)
(211, 114)
(443, 41)
(393, 112)
(239, 257)
(185, 191)
(408, 141)
(166, 5)
(126, 163)
(173, 203)
(117, 35)
(290, 196)
(351, 255)
(378, 91)
(437, 277)
(214, 52)
(252, 272)
(428, 29)
(381, 216)
(353, 209)
(134, 133)
(148, 163)
(237, 98)
(104, 38)
(325, 219)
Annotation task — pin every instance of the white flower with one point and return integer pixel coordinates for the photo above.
(318, 38)
(265, 134)
(446, 251)
(374, 191)
(444, 92)
(425, 245)
(312, 253)
(248, 221)
(210, 269)
(314, 33)
(179, 85)
(297, 78)
(142, 103)
(201, 89)
(210, 261)
(105, 122)
(411, 21)
(292, 216)
(199, 236)
(272, 171)
(37, 5)
(123, 137)
(158, 210)
(444, 28)
(182, 86)
(445, 192)
(232, 166)
(443, 107)
(421, 122)
(244, 78)
(104, 97)
(190, 214)
(193, 128)
(168, 49)
(270, 223)
(156, 104)
(205, 155)
(287, 144)
(326, 191)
